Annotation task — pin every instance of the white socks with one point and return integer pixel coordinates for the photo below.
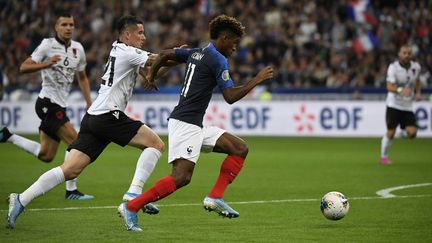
(145, 166)
(45, 183)
(71, 185)
(385, 145)
(28, 145)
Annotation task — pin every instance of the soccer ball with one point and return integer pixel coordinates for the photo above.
(334, 205)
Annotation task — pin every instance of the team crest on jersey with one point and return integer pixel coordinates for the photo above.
(225, 75)
(74, 51)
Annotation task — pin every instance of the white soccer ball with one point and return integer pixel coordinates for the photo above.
(334, 205)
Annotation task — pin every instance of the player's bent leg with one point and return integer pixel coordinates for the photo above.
(231, 144)
(24, 143)
(237, 151)
(153, 147)
(48, 148)
(411, 131)
(67, 134)
(182, 172)
(147, 138)
(74, 164)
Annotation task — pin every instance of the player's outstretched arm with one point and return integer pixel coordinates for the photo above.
(234, 94)
(29, 65)
(164, 58)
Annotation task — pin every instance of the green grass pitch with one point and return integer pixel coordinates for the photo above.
(277, 194)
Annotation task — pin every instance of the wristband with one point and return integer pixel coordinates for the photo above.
(399, 90)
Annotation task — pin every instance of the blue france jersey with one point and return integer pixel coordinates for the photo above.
(205, 68)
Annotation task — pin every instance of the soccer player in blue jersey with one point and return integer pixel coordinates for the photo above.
(206, 68)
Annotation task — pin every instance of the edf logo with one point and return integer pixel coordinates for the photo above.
(424, 118)
(10, 116)
(340, 118)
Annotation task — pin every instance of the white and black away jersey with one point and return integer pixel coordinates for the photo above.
(119, 78)
(57, 80)
(402, 77)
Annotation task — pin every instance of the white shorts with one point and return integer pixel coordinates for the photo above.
(186, 141)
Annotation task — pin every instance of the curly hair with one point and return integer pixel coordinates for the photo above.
(224, 22)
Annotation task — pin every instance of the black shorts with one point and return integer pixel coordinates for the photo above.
(395, 117)
(52, 117)
(97, 131)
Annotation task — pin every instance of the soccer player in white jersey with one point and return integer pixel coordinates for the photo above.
(403, 86)
(106, 122)
(59, 59)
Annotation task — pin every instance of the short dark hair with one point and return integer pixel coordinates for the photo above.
(63, 13)
(224, 22)
(126, 21)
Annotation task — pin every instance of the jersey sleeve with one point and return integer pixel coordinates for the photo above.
(183, 54)
(82, 62)
(40, 53)
(391, 74)
(221, 71)
(138, 57)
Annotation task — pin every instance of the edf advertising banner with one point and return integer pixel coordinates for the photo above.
(272, 118)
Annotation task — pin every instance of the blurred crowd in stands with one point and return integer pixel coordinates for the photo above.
(311, 43)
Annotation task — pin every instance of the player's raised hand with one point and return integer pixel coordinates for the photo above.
(406, 92)
(53, 60)
(265, 73)
(151, 58)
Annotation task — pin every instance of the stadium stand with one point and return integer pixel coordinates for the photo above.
(314, 46)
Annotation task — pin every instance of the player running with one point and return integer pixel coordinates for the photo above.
(206, 68)
(59, 59)
(402, 80)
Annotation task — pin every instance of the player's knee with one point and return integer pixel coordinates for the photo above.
(46, 156)
(391, 133)
(241, 150)
(182, 179)
(71, 173)
(156, 143)
(412, 135)
(159, 145)
(185, 180)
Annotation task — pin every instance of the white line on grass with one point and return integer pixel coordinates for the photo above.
(385, 193)
(245, 202)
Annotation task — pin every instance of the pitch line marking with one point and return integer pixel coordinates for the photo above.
(245, 202)
(386, 193)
